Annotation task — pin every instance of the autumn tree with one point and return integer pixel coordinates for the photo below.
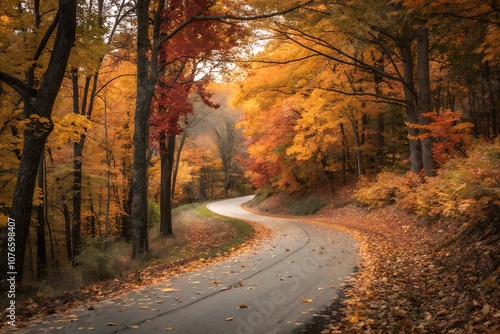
(40, 99)
(96, 33)
(148, 69)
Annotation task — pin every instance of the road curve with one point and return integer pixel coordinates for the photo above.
(279, 286)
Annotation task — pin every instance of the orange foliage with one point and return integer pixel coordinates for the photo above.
(452, 137)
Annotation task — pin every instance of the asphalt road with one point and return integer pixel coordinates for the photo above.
(281, 286)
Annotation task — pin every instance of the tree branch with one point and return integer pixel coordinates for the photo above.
(385, 99)
(224, 18)
(19, 86)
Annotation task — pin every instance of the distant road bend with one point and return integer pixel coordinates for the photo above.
(282, 286)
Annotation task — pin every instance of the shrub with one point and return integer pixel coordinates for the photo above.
(465, 190)
(153, 214)
(380, 192)
(93, 260)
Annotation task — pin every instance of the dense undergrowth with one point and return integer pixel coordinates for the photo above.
(465, 190)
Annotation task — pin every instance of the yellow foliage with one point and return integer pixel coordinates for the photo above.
(465, 189)
(384, 190)
(70, 127)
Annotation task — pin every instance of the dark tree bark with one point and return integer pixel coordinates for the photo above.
(67, 229)
(424, 98)
(409, 95)
(380, 132)
(41, 251)
(76, 235)
(177, 160)
(491, 97)
(146, 80)
(167, 151)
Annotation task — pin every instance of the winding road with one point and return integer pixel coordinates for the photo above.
(281, 286)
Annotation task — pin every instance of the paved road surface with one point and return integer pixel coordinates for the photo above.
(283, 283)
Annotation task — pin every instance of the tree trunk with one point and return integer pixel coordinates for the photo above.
(424, 98)
(41, 252)
(67, 229)
(36, 134)
(178, 160)
(167, 151)
(139, 216)
(380, 133)
(76, 234)
(471, 94)
(328, 175)
(108, 172)
(347, 154)
(409, 95)
(359, 152)
(491, 96)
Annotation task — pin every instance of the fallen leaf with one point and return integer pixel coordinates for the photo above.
(229, 319)
(243, 306)
(112, 324)
(354, 319)
(306, 300)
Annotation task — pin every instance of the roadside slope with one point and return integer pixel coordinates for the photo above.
(413, 278)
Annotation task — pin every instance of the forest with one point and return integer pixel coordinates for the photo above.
(114, 112)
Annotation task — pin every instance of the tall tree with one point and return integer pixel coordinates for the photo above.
(96, 41)
(148, 68)
(41, 101)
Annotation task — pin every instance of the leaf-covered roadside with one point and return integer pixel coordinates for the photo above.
(419, 279)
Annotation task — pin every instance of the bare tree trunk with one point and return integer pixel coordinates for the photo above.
(177, 161)
(424, 98)
(493, 104)
(41, 252)
(108, 173)
(147, 71)
(471, 94)
(380, 133)
(67, 229)
(167, 151)
(328, 176)
(409, 95)
(359, 152)
(76, 234)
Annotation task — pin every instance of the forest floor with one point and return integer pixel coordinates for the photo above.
(413, 277)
